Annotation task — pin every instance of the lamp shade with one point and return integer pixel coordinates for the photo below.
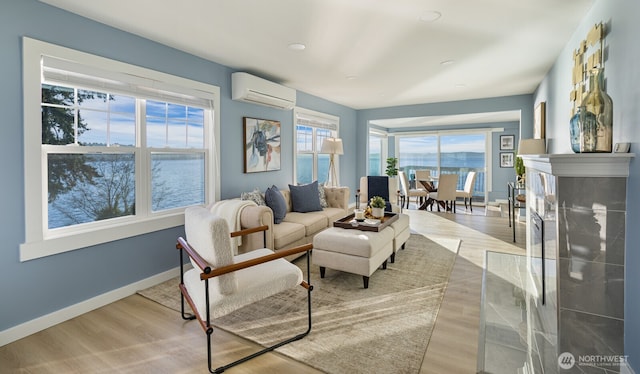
(532, 147)
(332, 146)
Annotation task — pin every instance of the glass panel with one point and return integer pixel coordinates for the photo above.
(96, 130)
(460, 154)
(321, 135)
(304, 138)
(323, 167)
(177, 180)
(304, 168)
(58, 95)
(58, 115)
(92, 100)
(195, 130)
(420, 152)
(156, 132)
(89, 187)
(122, 130)
(375, 155)
(176, 134)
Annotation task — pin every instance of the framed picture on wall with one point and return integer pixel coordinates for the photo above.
(539, 115)
(507, 142)
(506, 159)
(261, 145)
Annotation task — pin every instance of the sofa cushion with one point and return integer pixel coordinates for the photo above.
(305, 198)
(276, 202)
(333, 214)
(313, 222)
(287, 233)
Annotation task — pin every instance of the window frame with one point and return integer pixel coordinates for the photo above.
(322, 121)
(39, 240)
(383, 137)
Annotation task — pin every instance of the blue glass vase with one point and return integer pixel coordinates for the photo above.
(583, 131)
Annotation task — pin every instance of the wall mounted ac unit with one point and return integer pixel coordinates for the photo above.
(252, 89)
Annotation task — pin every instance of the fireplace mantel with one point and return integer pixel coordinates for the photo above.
(581, 164)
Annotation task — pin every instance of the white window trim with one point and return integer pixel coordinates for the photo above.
(384, 151)
(321, 117)
(37, 244)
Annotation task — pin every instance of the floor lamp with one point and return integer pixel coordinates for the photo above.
(332, 146)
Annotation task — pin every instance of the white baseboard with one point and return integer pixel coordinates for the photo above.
(31, 327)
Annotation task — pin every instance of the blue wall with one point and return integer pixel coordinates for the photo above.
(623, 85)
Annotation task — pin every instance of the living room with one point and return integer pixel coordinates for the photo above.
(41, 292)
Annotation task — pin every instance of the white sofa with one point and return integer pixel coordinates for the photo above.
(296, 228)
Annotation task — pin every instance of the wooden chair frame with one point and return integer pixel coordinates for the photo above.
(209, 272)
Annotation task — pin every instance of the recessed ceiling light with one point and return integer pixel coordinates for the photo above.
(447, 62)
(352, 77)
(430, 16)
(460, 85)
(297, 46)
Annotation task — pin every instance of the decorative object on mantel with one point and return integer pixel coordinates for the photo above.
(591, 125)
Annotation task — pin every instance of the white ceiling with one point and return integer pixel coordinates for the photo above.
(362, 53)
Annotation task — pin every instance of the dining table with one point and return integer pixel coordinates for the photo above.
(428, 184)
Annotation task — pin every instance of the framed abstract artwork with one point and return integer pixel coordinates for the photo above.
(261, 145)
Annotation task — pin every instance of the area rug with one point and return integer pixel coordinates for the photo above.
(383, 329)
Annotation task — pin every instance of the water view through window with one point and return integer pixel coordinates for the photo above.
(445, 154)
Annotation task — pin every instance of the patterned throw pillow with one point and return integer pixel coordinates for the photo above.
(255, 196)
(323, 197)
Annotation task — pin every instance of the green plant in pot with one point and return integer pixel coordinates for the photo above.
(519, 166)
(377, 205)
(392, 167)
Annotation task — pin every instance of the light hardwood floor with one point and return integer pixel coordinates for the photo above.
(135, 335)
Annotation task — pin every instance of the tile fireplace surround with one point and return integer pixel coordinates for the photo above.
(572, 278)
(576, 212)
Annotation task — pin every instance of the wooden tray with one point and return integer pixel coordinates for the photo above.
(349, 222)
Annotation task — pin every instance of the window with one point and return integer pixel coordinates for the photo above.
(111, 150)
(377, 153)
(447, 153)
(310, 130)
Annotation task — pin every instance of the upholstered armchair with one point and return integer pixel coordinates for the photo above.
(220, 283)
(382, 186)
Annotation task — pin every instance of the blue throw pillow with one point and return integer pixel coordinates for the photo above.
(276, 202)
(305, 198)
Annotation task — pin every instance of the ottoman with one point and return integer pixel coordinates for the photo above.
(352, 251)
(401, 234)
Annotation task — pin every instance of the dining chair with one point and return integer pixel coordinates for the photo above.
(423, 176)
(467, 192)
(419, 193)
(446, 194)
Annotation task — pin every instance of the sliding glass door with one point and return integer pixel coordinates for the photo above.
(455, 153)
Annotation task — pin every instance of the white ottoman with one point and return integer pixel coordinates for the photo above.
(401, 234)
(354, 251)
